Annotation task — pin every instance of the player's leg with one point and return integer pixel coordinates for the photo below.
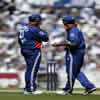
(90, 87)
(75, 62)
(35, 70)
(68, 87)
(70, 68)
(84, 81)
(34, 74)
(31, 70)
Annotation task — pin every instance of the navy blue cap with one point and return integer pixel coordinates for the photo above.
(69, 18)
(35, 17)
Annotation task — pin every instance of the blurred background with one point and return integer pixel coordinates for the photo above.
(13, 15)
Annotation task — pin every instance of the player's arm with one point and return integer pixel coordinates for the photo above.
(66, 43)
(44, 35)
(73, 41)
(40, 35)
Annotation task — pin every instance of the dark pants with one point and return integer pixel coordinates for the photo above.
(74, 62)
(84, 81)
(32, 59)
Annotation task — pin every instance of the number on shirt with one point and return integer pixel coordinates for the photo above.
(21, 34)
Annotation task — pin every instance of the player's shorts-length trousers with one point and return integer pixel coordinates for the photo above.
(32, 59)
(74, 62)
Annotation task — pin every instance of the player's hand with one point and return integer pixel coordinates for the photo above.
(54, 45)
(65, 43)
(57, 44)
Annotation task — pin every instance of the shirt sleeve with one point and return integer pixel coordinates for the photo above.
(40, 35)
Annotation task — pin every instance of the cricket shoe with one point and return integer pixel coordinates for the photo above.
(27, 92)
(33, 92)
(37, 92)
(89, 91)
(62, 92)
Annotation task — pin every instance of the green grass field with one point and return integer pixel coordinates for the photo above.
(17, 94)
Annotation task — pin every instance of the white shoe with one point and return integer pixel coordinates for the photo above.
(37, 92)
(89, 91)
(63, 92)
(26, 92)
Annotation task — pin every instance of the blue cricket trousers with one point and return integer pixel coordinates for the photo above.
(32, 59)
(84, 81)
(74, 62)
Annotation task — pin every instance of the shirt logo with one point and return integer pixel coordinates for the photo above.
(72, 35)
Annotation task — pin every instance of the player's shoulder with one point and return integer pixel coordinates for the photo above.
(75, 29)
(33, 28)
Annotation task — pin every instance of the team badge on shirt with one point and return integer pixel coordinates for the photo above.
(72, 35)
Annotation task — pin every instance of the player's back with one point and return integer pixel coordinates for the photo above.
(31, 37)
(26, 37)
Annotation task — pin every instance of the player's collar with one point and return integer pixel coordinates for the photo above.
(70, 26)
(31, 24)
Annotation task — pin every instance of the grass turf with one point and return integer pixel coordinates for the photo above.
(18, 96)
(44, 96)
